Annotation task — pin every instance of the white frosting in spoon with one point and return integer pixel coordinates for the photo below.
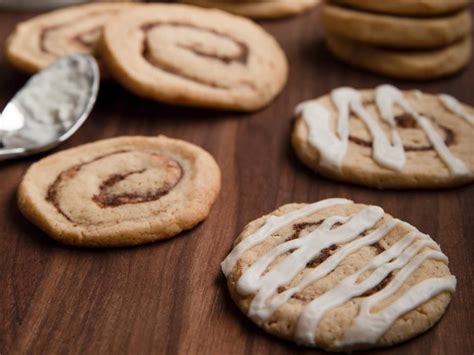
(51, 102)
(404, 256)
(386, 151)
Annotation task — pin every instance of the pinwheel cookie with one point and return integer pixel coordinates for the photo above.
(403, 64)
(120, 191)
(258, 8)
(387, 138)
(395, 31)
(338, 275)
(41, 40)
(187, 55)
(408, 7)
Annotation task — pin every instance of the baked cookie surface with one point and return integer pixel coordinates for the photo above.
(187, 55)
(260, 8)
(403, 64)
(41, 40)
(120, 191)
(408, 7)
(395, 31)
(338, 275)
(387, 138)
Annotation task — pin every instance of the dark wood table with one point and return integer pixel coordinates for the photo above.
(170, 297)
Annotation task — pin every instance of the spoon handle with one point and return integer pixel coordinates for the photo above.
(10, 153)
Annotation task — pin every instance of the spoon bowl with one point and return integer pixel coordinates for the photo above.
(50, 107)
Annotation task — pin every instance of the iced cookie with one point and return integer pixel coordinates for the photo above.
(258, 8)
(403, 64)
(387, 138)
(120, 191)
(187, 55)
(41, 40)
(408, 7)
(338, 275)
(395, 31)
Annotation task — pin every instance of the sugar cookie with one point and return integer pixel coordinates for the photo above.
(387, 138)
(41, 40)
(120, 191)
(338, 275)
(188, 55)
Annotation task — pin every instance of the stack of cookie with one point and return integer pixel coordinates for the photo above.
(407, 39)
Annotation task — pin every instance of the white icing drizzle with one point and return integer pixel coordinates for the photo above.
(331, 147)
(367, 327)
(418, 94)
(453, 105)
(455, 165)
(261, 309)
(387, 153)
(405, 256)
(384, 153)
(387, 96)
(304, 249)
(273, 224)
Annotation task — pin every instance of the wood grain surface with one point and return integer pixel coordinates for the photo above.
(170, 297)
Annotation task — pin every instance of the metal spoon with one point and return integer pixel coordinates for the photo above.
(50, 108)
(36, 5)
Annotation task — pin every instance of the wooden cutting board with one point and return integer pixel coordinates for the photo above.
(170, 297)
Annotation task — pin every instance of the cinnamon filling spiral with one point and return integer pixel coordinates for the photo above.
(408, 122)
(165, 43)
(82, 34)
(298, 228)
(325, 253)
(85, 40)
(119, 178)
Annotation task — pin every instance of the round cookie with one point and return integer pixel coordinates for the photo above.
(408, 7)
(403, 64)
(120, 191)
(387, 138)
(263, 9)
(394, 31)
(187, 55)
(338, 275)
(39, 41)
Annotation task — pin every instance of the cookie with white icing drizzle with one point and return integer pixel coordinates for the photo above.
(120, 191)
(261, 9)
(188, 55)
(41, 40)
(338, 275)
(387, 138)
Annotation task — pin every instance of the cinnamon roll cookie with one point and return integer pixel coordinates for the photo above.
(258, 8)
(120, 191)
(395, 31)
(41, 40)
(408, 7)
(387, 138)
(423, 64)
(187, 55)
(338, 275)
